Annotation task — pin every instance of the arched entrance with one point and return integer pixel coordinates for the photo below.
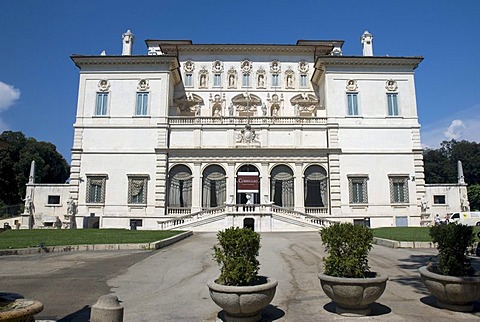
(249, 223)
(316, 187)
(248, 185)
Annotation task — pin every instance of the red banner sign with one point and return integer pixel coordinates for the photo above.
(248, 182)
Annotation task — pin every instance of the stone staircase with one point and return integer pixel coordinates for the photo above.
(204, 217)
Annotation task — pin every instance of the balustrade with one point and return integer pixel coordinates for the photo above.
(179, 120)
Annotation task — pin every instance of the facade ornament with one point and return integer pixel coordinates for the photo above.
(217, 67)
(351, 85)
(261, 78)
(143, 85)
(246, 66)
(275, 66)
(217, 104)
(303, 67)
(232, 77)
(154, 51)
(289, 75)
(391, 85)
(305, 104)
(247, 135)
(189, 66)
(276, 104)
(103, 85)
(203, 77)
(246, 104)
(189, 104)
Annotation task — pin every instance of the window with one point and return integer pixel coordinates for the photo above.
(439, 199)
(275, 80)
(142, 104)
(358, 189)
(217, 80)
(53, 200)
(102, 101)
(398, 189)
(246, 80)
(188, 80)
(137, 189)
(303, 80)
(392, 104)
(96, 189)
(352, 103)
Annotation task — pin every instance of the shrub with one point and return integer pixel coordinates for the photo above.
(348, 246)
(236, 253)
(453, 241)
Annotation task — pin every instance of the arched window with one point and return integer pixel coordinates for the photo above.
(214, 187)
(281, 186)
(180, 187)
(315, 187)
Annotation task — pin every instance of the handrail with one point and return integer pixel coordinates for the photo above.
(184, 120)
(244, 209)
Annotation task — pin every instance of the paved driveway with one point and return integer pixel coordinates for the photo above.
(170, 284)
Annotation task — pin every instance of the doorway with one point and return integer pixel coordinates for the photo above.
(248, 185)
(249, 223)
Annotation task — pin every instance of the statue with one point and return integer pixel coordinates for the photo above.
(71, 212)
(230, 109)
(424, 204)
(264, 109)
(29, 210)
(464, 203)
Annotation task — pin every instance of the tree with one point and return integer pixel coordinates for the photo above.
(440, 166)
(16, 154)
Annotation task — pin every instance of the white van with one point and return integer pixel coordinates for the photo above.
(470, 218)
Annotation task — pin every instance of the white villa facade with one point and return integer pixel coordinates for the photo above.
(274, 137)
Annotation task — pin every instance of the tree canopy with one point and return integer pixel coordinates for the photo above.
(440, 166)
(16, 154)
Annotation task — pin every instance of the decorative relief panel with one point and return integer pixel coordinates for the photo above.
(305, 104)
(246, 66)
(247, 136)
(217, 67)
(245, 104)
(351, 85)
(303, 67)
(103, 85)
(189, 66)
(275, 67)
(189, 104)
(391, 85)
(143, 85)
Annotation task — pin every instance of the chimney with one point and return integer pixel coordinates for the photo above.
(127, 40)
(367, 42)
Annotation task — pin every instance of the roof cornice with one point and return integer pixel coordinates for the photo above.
(81, 60)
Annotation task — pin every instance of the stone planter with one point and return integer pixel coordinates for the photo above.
(243, 303)
(451, 292)
(353, 296)
(14, 309)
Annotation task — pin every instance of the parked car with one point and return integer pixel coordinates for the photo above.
(470, 218)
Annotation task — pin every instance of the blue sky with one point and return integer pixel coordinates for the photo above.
(39, 82)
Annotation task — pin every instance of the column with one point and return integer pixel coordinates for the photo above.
(299, 187)
(196, 188)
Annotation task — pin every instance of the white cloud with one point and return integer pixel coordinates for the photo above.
(8, 95)
(463, 125)
(455, 130)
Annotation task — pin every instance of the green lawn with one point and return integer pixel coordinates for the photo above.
(12, 239)
(408, 233)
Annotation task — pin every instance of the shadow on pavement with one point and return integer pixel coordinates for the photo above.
(82, 315)
(430, 301)
(270, 313)
(377, 309)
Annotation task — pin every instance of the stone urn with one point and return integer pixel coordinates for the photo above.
(455, 293)
(353, 296)
(243, 303)
(16, 309)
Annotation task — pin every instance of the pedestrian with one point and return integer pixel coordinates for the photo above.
(438, 221)
(447, 218)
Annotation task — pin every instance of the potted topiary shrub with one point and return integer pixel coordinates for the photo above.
(452, 281)
(239, 290)
(347, 279)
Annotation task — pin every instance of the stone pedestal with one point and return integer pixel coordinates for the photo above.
(13, 308)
